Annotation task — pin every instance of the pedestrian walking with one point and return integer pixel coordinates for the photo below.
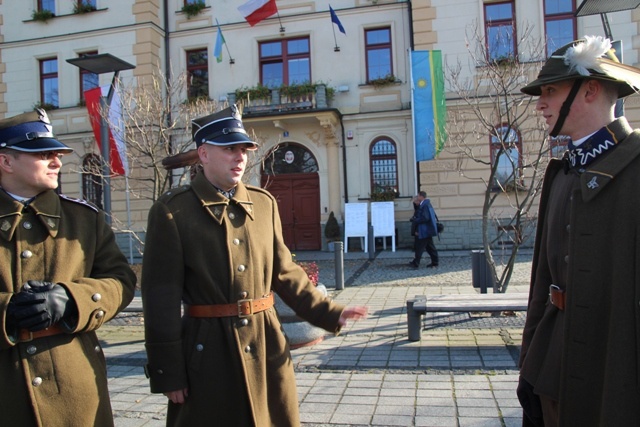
(61, 277)
(579, 357)
(424, 225)
(216, 246)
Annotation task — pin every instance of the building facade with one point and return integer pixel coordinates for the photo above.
(333, 108)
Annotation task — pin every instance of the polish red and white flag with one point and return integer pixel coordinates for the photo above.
(117, 148)
(255, 11)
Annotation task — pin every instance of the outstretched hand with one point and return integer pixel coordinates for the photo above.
(353, 313)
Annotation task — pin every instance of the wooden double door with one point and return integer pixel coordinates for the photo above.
(298, 197)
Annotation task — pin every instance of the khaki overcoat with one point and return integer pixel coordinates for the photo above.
(59, 380)
(202, 248)
(588, 243)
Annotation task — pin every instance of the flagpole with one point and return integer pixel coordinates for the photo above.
(128, 204)
(231, 60)
(281, 27)
(337, 48)
(413, 122)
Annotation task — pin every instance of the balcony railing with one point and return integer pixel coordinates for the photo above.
(276, 101)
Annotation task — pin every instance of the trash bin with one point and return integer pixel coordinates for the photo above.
(481, 276)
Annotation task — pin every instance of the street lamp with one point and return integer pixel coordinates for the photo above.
(100, 64)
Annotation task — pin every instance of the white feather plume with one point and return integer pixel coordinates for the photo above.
(584, 56)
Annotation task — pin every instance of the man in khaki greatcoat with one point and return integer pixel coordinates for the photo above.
(61, 277)
(217, 246)
(580, 363)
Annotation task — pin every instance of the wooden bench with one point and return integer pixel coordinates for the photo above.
(421, 305)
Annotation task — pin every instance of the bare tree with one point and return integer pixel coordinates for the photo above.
(156, 123)
(493, 125)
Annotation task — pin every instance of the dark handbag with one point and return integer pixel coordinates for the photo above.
(440, 227)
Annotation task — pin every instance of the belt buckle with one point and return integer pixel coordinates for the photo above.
(241, 312)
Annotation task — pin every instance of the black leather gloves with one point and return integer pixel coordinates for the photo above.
(40, 305)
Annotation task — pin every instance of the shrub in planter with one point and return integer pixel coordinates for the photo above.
(332, 229)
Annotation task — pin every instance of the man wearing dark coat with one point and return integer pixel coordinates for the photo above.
(61, 277)
(580, 363)
(424, 225)
(216, 247)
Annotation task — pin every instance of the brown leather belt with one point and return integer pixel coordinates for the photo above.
(241, 308)
(556, 296)
(25, 335)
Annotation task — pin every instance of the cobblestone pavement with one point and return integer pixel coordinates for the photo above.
(463, 371)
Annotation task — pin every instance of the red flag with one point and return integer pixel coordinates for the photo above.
(255, 11)
(116, 153)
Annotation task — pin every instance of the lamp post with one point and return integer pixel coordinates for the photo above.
(101, 64)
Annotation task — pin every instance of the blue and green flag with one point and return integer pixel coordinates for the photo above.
(217, 50)
(428, 103)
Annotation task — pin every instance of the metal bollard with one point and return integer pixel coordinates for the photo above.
(339, 264)
(372, 244)
(414, 321)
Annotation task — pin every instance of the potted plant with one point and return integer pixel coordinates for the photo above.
(381, 82)
(193, 9)
(380, 194)
(42, 15)
(296, 91)
(83, 7)
(44, 106)
(257, 92)
(332, 231)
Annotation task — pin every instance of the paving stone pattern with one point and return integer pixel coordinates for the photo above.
(463, 371)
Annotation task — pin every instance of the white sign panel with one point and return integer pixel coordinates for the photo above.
(384, 222)
(355, 223)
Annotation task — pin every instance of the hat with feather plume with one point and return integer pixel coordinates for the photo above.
(590, 57)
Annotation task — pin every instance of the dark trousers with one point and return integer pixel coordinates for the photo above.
(421, 245)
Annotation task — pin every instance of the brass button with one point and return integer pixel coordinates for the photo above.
(236, 242)
(247, 349)
(96, 297)
(199, 347)
(241, 268)
(36, 381)
(232, 215)
(27, 225)
(99, 314)
(26, 254)
(31, 349)
(243, 295)
(244, 322)
(97, 349)
(160, 371)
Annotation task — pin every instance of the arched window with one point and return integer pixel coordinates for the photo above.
(92, 179)
(383, 160)
(506, 150)
(290, 158)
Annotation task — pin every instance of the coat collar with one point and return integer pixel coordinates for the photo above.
(602, 172)
(215, 203)
(46, 207)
